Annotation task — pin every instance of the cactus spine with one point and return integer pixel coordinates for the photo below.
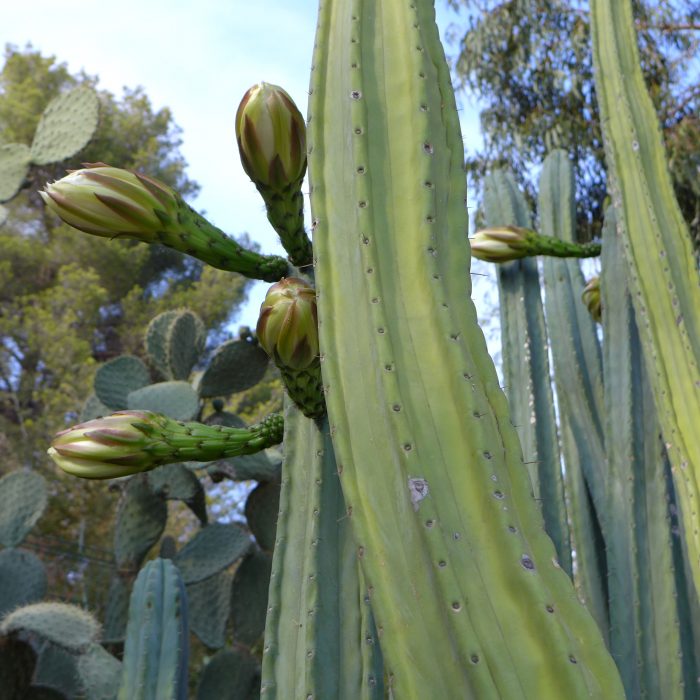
(453, 546)
(662, 270)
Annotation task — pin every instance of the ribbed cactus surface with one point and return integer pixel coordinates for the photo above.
(452, 543)
(661, 266)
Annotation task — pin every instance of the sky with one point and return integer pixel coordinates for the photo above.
(198, 59)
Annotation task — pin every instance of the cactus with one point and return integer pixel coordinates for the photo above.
(65, 127)
(526, 365)
(23, 497)
(23, 579)
(156, 648)
(314, 641)
(67, 626)
(661, 267)
(410, 557)
(116, 379)
(231, 674)
(212, 549)
(209, 604)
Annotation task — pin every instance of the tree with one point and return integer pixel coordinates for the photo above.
(529, 64)
(68, 301)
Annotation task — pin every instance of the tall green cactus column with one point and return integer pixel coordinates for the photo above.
(467, 594)
(662, 270)
(319, 637)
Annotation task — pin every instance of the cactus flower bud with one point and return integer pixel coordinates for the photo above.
(591, 298)
(271, 137)
(288, 324)
(109, 202)
(112, 202)
(505, 243)
(500, 244)
(129, 442)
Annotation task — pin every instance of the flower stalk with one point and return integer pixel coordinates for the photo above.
(129, 442)
(112, 203)
(507, 243)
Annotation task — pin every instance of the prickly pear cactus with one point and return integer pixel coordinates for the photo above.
(65, 128)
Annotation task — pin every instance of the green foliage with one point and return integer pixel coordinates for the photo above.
(532, 61)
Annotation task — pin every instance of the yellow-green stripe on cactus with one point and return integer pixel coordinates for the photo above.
(467, 594)
(112, 202)
(129, 442)
(271, 137)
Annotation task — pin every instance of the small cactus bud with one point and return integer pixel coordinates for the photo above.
(129, 442)
(110, 202)
(591, 298)
(271, 137)
(500, 244)
(288, 324)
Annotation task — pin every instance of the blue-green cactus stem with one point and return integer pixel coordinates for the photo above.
(662, 269)
(467, 594)
(645, 634)
(319, 639)
(526, 364)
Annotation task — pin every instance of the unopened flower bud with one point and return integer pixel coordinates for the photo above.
(500, 244)
(109, 202)
(288, 324)
(271, 137)
(591, 298)
(113, 202)
(129, 442)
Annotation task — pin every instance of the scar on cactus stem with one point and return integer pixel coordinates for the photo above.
(288, 332)
(112, 202)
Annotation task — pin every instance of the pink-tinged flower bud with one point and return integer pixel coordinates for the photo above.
(104, 448)
(501, 244)
(271, 137)
(110, 202)
(129, 442)
(591, 298)
(288, 324)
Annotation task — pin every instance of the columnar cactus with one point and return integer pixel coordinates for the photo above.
(450, 538)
